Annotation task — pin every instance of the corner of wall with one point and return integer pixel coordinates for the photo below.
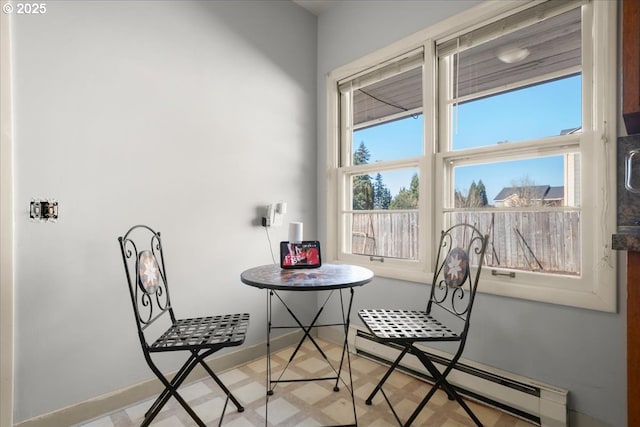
(6, 228)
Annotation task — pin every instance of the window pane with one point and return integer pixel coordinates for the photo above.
(532, 182)
(532, 234)
(384, 234)
(547, 109)
(386, 190)
(522, 85)
(549, 47)
(389, 228)
(394, 140)
(544, 242)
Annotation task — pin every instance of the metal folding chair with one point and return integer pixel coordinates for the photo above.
(446, 318)
(199, 337)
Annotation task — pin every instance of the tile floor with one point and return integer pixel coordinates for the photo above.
(307, 403)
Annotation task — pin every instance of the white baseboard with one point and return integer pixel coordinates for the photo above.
(522, 397)
(110, 402)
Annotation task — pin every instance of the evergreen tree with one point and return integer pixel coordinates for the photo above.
(414, 187)
(473, 198)
(381, 194)
(482, 194)
(476, 196)
(387, 198)
(407, 199)
(363, 193)
(361, 155)
(402, 200)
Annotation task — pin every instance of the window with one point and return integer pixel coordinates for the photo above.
(522, 87)
(382, 146)
(507, 126)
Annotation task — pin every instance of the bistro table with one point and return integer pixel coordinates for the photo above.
(329, 277)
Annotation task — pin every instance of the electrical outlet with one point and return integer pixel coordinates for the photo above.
(43, 210)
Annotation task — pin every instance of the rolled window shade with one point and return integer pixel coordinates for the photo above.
(389, 91)
(549, 37)
(394, 66)
(391, 98)
(506, 25)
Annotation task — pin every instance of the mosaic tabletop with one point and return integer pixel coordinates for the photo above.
(327, 276)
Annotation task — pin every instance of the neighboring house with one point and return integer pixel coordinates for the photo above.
(571, 131)
(543, 195)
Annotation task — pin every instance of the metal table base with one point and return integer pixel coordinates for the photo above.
(272, 383)
(334, 279)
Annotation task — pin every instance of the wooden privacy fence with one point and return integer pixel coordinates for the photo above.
(388, 234)
(545, 241)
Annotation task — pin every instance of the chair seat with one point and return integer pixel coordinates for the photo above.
(201, 332)
(407, 325)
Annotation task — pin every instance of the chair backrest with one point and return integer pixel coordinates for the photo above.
(457, 272)
(144, 267)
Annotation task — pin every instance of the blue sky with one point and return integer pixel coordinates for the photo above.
(534, 112)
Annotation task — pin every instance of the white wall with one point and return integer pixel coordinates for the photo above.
(186, 116)
(580, 350)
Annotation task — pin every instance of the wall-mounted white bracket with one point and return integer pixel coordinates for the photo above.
(274, 215)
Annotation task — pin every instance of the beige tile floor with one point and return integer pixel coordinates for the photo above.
(308, 403)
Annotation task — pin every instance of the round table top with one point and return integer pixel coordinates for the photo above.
(325, 277)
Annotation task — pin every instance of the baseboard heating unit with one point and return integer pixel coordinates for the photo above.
(522, 397)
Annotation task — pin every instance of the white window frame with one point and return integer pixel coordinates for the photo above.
(389, 267)
(596, 287)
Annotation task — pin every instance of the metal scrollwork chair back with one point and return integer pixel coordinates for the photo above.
(144, 268)
(199, 337)
(459, 260)
(458, 266)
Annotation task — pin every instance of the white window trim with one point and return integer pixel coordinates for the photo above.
(598, 292)
(7, 220)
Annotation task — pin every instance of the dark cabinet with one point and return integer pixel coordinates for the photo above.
(631, 65)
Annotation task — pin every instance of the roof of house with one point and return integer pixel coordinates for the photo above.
(537, 192)
(571, 131)
(555, 193)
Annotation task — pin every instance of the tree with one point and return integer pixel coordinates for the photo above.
(363, 192)
(525, 193)
(381, 194)
(361, 155)
(482, 194)
(460, 199)
(476, 196)
(414, 187)
(407, 199)
(472, 198)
